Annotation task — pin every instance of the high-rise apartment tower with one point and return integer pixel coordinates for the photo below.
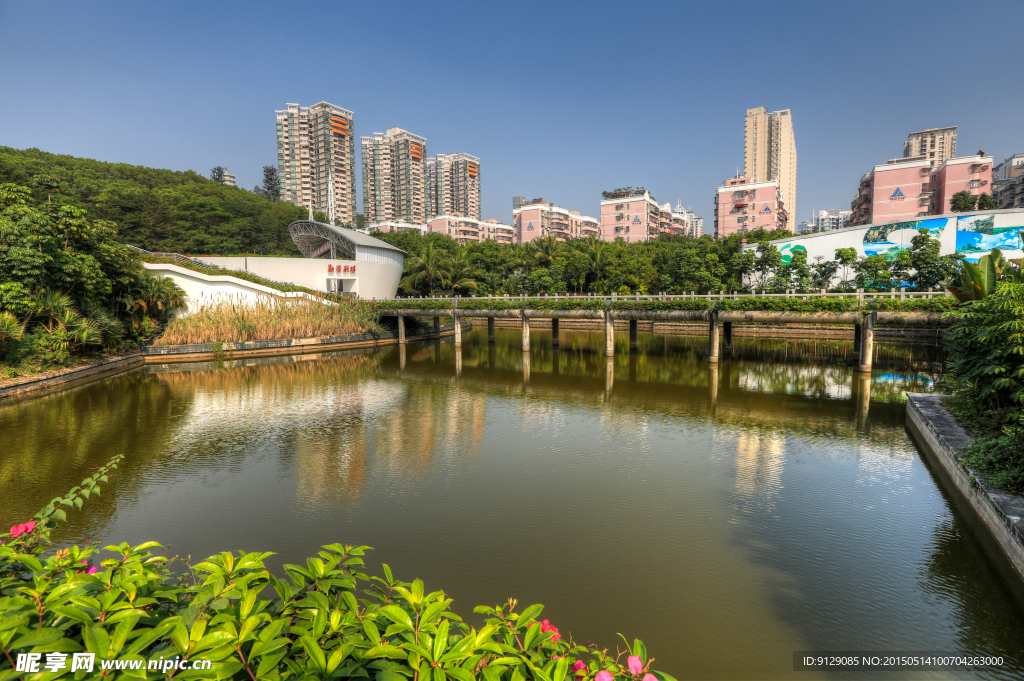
(316, 160)
(769, 153)
(453, 186)
(934, 144)
(394, 177)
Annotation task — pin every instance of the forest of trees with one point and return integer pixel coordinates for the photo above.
(159, 210)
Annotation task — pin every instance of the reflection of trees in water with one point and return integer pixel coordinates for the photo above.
(50, 443)
(987, 605)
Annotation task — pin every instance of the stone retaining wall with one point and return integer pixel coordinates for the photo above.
(74, 375)
(938, 434)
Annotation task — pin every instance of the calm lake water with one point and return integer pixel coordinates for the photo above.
(727, 517)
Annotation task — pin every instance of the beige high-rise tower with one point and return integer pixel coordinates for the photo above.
(769, 153)
(316, 160)
(394, 177)
(935, 144)
(453, 186)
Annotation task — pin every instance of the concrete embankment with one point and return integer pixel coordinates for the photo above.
(937, 433)
(73, 376)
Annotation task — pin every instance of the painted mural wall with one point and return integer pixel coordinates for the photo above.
(970, 234)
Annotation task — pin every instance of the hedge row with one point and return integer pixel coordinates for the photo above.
(749, 304)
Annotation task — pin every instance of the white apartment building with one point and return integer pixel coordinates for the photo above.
(316, 160)
(394, 177)
(692, 224)
(453, 185)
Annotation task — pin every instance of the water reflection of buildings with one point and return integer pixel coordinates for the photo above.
(760, 459)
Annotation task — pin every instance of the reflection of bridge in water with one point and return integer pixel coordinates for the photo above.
(720, 323)
(792, 384)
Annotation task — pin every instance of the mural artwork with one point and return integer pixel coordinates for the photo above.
(977, 235)
(889, 240)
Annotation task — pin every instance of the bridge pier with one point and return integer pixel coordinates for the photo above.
(526, 334)
(401, 330)
(554, 332)
(401, 358)
(713, 385)
(437, 327)
(867, 343)
(458, 329)
(632, 335)
(713, 339)
(458, 360)
(856, 340)
(609, 374)
(490, 329)
(609, 334)
(726, 338)
(526, 367)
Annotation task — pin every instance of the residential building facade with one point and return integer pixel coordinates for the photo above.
(453, 185)
(316, 160)
(1006, 182)
(743, 206)
(911, 187)
(631, 215)
(470, 230)
(394, 177)
(769, 153)
(934, 144)
(538, 218)
(691, 223)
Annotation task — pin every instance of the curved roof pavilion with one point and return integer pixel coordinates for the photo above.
(318, 240)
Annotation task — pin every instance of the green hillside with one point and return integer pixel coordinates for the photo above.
(157, 209)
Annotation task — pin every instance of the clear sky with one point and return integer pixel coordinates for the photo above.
(559, 100)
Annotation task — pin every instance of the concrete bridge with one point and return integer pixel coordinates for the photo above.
(720, 322)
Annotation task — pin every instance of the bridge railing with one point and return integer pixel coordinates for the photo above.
(858, 294)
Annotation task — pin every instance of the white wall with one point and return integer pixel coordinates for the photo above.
(206, 288)
(372, 279)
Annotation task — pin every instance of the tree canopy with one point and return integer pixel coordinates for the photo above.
(157, 209)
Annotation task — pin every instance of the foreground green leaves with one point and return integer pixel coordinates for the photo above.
(325, 619)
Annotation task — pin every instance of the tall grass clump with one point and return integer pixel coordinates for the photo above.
(234, 320)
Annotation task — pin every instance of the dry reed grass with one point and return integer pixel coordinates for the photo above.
(268, 318)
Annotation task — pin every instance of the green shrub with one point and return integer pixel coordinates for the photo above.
(1001, 458)
(325, 619)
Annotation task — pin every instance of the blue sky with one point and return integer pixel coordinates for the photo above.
(559, 100)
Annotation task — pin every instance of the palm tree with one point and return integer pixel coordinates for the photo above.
(427, 266)
(599, 253)
(459, 273)
(546, 249)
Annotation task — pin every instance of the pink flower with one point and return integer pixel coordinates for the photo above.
(650, 677)
(636, 665)
(24, 528)
(580, 667)
(93, 570)
(604, 676)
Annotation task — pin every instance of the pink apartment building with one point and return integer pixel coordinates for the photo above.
(539, 218)
(743, 206)
(467, 230)
(462, 229)
(633, 215)
(910, 188)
